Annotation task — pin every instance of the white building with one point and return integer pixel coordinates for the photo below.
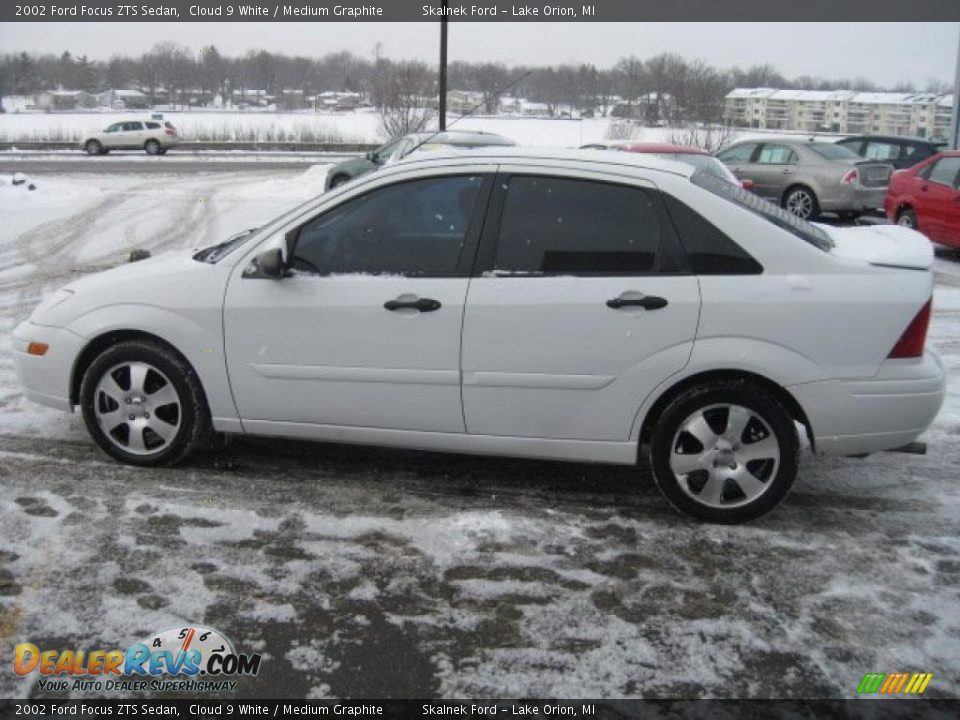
(841, 111)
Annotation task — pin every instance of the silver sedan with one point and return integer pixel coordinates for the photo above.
(807, 178)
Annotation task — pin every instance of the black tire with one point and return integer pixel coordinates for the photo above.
(193, 416)
(908, 218)
(775, 479)
(152, 147)
(801, 196)
(339, 180)
(93, 147)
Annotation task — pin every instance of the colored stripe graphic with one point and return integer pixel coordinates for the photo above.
(894, 683)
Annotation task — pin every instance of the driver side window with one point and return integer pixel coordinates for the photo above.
(418, 227)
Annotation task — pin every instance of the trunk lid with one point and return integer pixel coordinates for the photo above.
(883, 245)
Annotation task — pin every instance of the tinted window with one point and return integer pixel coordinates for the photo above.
(776, 155)
(116, 127)
(709, 251)
(153, 125)
(560, 225)
(738, 154)
(945, 171)
(412, 228)
(128, 126)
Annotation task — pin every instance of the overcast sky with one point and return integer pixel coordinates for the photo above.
(885, 53)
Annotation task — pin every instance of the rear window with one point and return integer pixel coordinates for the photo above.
(808, 232)
(832, 151)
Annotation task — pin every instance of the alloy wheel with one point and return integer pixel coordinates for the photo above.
(724, 456)
(800, 203)
(138, 408)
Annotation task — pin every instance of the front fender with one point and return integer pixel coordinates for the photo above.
(197, 336)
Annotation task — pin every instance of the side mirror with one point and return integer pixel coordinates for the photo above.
(270, 264)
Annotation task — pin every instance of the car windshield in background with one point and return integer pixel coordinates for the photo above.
(830, 151)
(804, 230)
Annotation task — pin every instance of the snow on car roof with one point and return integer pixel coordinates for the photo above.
(496, 154)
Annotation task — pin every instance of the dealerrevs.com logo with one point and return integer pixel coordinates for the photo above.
(187, 659)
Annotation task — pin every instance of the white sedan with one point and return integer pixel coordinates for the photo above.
(572, 306)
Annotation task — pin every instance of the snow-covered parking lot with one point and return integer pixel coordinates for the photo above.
(372, 573)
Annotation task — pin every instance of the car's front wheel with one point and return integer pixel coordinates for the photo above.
(143, 404)
(801, 201)
(725, 452)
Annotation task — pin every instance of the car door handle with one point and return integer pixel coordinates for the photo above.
(787, 171)
(421, 304)
(648, 302)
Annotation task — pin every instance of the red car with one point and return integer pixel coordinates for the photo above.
(927, 197)
(686, 154)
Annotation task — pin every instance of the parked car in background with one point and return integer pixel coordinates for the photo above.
(926, 197)
(565, 305)
(807, 178)
(401, 147)
(155, 136)
(901, 152)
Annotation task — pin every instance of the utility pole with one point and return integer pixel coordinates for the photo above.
(443, 67)
(955, 122)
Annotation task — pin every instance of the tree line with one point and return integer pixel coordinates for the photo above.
(680, 90)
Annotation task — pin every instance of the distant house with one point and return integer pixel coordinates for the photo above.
(60, 100)
(123, 99)
(340, 101)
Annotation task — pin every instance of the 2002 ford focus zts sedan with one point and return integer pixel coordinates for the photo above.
(573, 306)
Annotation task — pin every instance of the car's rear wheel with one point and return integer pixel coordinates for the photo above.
(143, 404)
(802, 202)
(93, 147)
(152, 147)
(725, 452)
(907, 218)
(339, 180)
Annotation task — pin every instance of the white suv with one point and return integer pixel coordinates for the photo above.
(572, 306)
(154, 136)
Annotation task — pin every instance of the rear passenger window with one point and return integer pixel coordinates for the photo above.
(709, 251)
(577, 227)
(153, 125)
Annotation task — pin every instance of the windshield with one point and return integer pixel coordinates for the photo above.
(829, 151)
(804, 230)
(216, 252)
(707, 162)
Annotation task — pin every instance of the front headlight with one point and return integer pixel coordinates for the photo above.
(57, 298)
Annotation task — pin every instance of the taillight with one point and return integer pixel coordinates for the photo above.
(168, 131)
(910, 344)
(851, 177)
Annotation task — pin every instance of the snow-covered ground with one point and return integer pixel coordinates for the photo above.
(374, 573)
(343, 127)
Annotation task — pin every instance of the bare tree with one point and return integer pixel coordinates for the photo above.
(711, 138)
(400, 92)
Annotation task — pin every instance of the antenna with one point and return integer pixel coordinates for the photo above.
(468, 113)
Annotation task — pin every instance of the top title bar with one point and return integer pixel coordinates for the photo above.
(481, 11)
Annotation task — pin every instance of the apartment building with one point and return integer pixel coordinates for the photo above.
(840, 111)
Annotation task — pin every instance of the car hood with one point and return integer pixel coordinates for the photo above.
(884, 245)
(170, 280)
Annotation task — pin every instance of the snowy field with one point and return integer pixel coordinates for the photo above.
(353, 127)
(374, 573)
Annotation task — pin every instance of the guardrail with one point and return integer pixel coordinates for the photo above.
(199, 145)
